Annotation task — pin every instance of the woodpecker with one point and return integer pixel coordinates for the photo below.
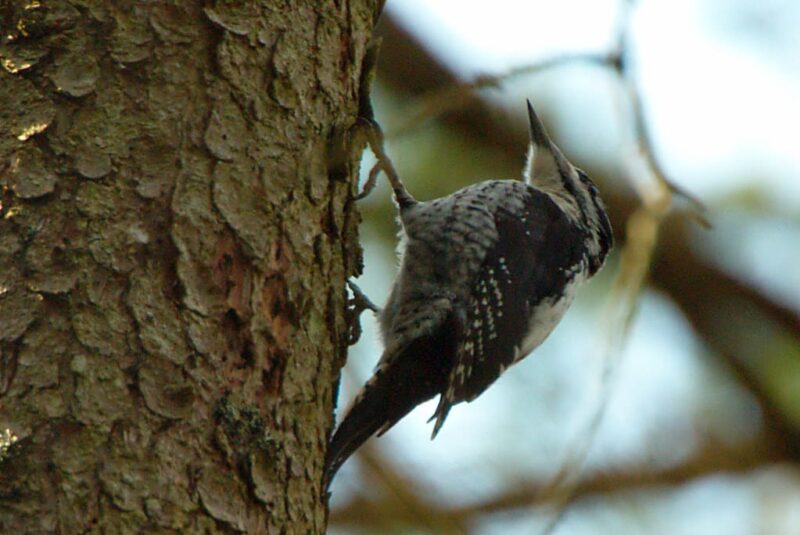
(485, 275)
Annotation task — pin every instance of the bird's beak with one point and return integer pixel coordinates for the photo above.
(539, 135)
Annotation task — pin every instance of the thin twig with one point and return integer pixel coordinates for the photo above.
(636, 258)
(710, 458)
(453, 97)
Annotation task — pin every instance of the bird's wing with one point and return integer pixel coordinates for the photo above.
(525, 265)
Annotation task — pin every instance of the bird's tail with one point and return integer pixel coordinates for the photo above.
(369, 413)
(388, 396)
(415, 375)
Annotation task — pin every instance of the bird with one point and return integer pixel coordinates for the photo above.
(486, 273)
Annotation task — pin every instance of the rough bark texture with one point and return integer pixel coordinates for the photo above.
(175, 236)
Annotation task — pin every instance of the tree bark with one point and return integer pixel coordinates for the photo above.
(177, 228)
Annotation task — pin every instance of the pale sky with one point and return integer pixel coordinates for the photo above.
(720, 80)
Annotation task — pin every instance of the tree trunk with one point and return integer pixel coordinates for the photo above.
(177, 228)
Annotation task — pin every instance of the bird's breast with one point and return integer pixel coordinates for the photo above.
(545, 315)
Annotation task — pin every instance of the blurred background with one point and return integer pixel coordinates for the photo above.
(668, 400)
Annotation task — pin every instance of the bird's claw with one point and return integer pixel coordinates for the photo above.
(357, 304)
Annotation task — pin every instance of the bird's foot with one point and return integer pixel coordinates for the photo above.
(357, 304)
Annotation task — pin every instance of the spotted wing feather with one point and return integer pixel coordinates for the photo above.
(528, 263)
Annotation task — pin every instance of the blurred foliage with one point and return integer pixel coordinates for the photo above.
(742, 437)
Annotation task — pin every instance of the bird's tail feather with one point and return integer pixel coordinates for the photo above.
(382, 402)
(401, 383)
(368, 415)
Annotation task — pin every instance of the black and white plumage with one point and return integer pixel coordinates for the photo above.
(486, 274)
